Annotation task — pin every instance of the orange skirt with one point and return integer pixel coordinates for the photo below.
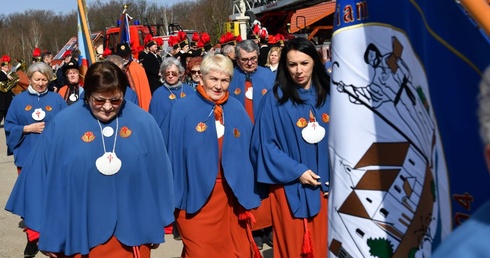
(115, 249)
(215, 231)
(262, 214)
(289, 231)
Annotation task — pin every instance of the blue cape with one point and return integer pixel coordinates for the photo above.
(281, 155)
(262, 81)
(61, 194)
(20, 115)
(194, 155)
(160, 104)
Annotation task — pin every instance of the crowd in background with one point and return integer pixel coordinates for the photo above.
(230, 123)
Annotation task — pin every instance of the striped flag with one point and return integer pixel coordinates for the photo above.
(407, 162)
(85, 46)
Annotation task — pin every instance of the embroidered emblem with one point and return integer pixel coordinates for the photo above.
(301, 123)
(236, 133)
(171, 96)
(237, 91)
(28, 107)
(88, 137)
(201, 127)
(264, 91)
(125, 132)
(182, 95)
(325, 118)
(49, 108)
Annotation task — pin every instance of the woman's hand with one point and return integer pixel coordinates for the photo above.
(37, 127)
(309, 178)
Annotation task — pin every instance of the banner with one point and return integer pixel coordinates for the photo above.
(124, 36)
(85, 46)
(407, 160)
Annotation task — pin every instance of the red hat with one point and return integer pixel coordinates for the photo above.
(107, 52)
(206, 40)
(36, 54)
(67, 53)
(279, 39)
(263, 35)
(147, 39)
(194, 39)
(173, 41)
(5, 60)
(182, 36)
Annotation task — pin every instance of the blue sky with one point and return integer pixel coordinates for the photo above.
(57, 6)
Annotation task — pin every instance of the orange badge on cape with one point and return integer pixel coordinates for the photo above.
(182, 95)
(88, 137)
(49, 108)
(237, 91)
(264, 91)
(201, 127)
(28, 107)
(125, 132)
(171, 96)
(236, 133)
(302, 122)
(325, 118)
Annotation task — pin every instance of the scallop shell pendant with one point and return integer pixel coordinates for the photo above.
(249, 93)
(73, 97)
(313, 133)
(108, 164)
(220, 129)
(38, 114)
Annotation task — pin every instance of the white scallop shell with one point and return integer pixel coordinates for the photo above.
(313, 133)
(108, 164)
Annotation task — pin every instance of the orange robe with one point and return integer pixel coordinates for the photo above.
(289, 231)
(215, 230)
(114, 249)
(139, 83)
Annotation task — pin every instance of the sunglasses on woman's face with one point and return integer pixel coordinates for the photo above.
(195, 71)
(171, 73)
(101, 102)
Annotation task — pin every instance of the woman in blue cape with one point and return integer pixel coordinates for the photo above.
(171, 90)
(30, 112)
(290, 151)
(99, 180)
(208, 138)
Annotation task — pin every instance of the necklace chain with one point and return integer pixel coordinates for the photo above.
(115, 136)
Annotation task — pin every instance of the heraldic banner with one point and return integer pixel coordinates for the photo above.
(407, 159)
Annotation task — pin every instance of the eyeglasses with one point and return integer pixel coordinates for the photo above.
(171, 73)
(195, 71)
(101, 102)
(246, 60)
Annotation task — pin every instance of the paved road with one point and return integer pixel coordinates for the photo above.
(13, 240)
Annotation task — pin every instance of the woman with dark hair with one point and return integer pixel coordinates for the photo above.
(99, 181)
(290, 151)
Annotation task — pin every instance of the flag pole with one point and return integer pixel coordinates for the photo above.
(480, 12)
(85, 30)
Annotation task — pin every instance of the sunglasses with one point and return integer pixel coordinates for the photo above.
(171, 73)
(195, 71)
(101, 102)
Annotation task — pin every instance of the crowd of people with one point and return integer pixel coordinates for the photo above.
(214, 139)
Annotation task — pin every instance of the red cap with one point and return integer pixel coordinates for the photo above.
(36, 52)
(67, 53)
